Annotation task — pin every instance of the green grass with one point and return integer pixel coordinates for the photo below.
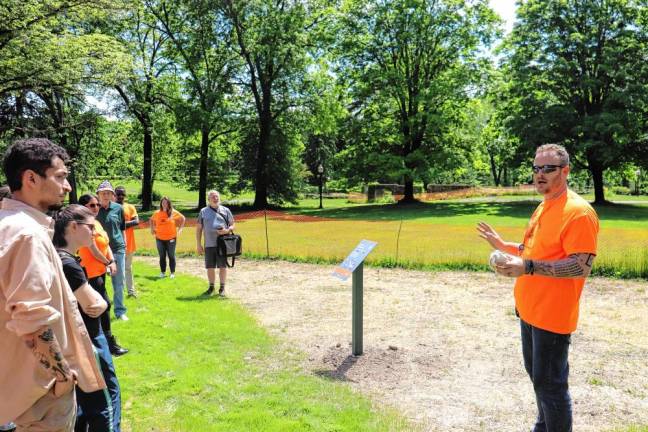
(204, 364)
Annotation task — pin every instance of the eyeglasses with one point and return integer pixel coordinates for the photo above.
(546, 169)
(92, 205)
(92, 227)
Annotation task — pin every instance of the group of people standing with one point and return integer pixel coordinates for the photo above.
(54, 307)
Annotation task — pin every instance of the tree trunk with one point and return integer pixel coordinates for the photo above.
(408, 195)
(73, 185)
(202, 175)
(147, 181)
(597, 177)
(493, 166)
(261, 181)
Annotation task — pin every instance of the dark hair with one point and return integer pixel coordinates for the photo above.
(73, 212)
(170, 211)
(120, 189)
(86, 198)
(34, 154)
(5, 192)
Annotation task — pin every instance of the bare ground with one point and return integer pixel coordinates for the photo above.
(444, 348)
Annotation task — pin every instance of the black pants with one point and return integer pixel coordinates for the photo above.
(546, 361)
(99, 285)
(166, 248)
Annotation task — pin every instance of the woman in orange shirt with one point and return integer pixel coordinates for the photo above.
(96, 260)
(166, 225)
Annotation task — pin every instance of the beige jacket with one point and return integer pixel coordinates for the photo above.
(34, 293)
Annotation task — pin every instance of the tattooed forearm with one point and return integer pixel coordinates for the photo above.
(574, 266)
(45, 347)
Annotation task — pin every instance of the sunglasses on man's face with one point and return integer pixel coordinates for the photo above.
(546, 169)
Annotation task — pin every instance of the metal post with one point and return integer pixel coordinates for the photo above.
(265, 218)
(356, 300)
(320, 190)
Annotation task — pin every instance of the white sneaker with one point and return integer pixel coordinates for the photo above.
(162, 275)
(172, 276)
(123, 318)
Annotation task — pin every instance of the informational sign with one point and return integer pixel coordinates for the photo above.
(344, 270)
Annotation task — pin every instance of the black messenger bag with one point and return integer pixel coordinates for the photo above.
(229, 245)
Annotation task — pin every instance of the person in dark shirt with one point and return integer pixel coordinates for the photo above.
(101, 410)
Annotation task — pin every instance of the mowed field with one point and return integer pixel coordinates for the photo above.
(441, 236)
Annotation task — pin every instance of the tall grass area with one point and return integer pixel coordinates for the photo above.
(430, 238)
(204, 364)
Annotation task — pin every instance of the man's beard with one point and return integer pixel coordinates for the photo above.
(55, 207)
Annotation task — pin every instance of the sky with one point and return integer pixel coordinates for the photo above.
(506, 9)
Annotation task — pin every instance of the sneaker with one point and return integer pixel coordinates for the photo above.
(221, 291)
(162, 275)
(209, 292)
(172, 276)
(132, 294)
(123, 318)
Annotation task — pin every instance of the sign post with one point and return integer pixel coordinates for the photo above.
(353, 265)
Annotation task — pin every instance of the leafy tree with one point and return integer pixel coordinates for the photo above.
(578, 77)
(199, 34)
(411, 64)
(272, 40)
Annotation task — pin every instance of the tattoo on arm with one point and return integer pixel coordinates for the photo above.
(45, 347)
(574, 266)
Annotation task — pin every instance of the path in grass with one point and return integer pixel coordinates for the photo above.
(444, 347)
(204, 364)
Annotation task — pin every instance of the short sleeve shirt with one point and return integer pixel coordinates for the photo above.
(165, 225)
(92, 265)
(130, 213)
(213, 219)
(76, 277)
(112, 220)
(557, 229)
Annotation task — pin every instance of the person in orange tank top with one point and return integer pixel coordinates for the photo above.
(97, 261)
(550, 267)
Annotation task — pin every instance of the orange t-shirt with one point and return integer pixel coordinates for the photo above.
(93, 266)
(130, 213)
(558, 228)
(165, 226)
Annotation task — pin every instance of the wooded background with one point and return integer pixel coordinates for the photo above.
(254, 95)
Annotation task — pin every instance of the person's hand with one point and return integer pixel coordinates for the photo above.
(490, 235)
(95, 310)
(112, 268)
(179, 231)
(514, 267)
(200, 250)
(64, 387)
(223, 231)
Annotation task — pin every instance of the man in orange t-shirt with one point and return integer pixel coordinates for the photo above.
(132, 220)
(551, 266)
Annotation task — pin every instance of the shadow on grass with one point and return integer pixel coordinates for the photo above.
(200, 298)
(339, 373)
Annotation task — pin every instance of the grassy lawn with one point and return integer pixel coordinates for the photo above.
(204, 364)
(438, 235)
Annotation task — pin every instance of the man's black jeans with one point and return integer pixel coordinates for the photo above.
(166, 248)
(545, 359)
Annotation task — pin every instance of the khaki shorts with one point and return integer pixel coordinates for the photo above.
(49, 414)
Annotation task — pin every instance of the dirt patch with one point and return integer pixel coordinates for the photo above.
(444, 347)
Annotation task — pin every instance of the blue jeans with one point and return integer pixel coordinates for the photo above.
(545, 360)
(166, 248)
(118, 283)
(100, 411)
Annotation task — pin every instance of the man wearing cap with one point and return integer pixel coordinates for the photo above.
(44, 345)
(111, 217)
(132, 220)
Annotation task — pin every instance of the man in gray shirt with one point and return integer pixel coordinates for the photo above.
(213, 221)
